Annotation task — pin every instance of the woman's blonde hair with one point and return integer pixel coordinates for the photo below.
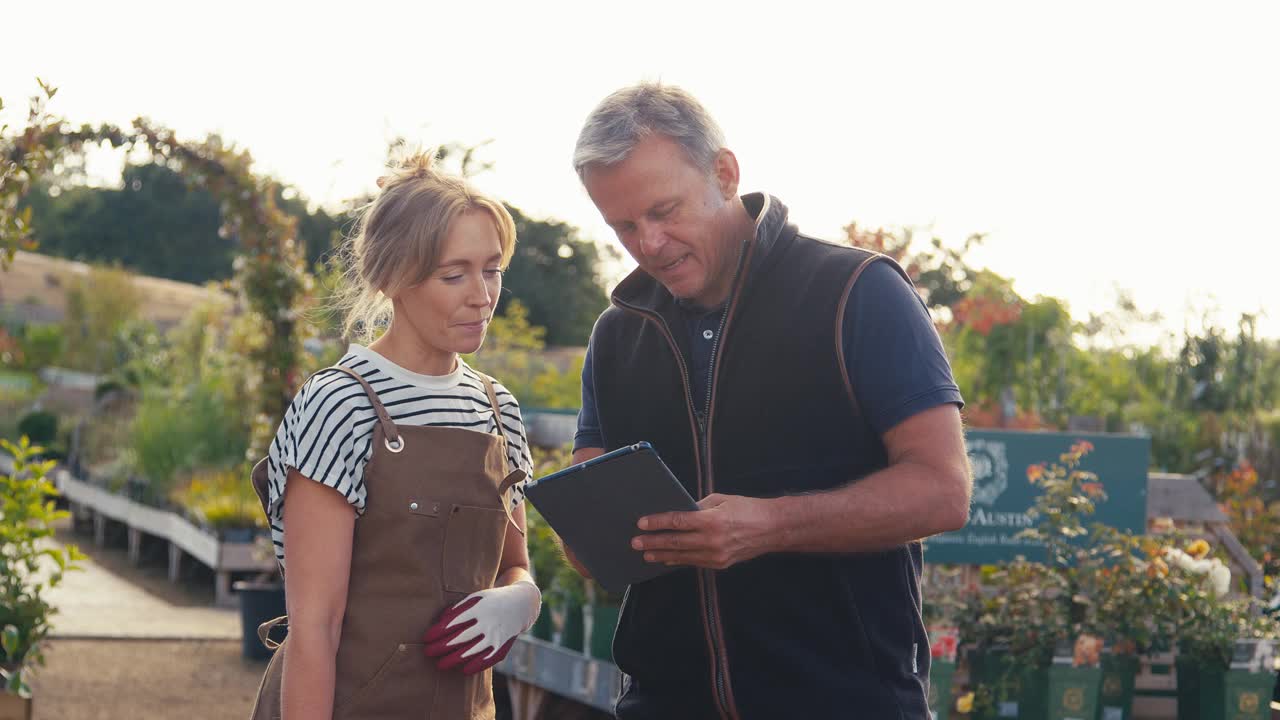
(397, 239)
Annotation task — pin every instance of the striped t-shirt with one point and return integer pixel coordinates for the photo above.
(327, 432)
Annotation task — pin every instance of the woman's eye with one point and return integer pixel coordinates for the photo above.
(493, 272)
(451, 278)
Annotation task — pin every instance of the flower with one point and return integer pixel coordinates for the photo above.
(1035, 472)
(1087, 651)
(1092, 489)
(1198, 549)
(1082, 447)
(1220, 576)
(964, 703)
(1217, 571)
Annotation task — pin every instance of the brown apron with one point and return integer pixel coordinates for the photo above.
(436, 515)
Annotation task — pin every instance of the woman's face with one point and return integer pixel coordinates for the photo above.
(449, 312)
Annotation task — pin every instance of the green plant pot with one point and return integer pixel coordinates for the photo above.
(604, 621)
(572, 634)
(940, 674)
(1018, 692)
(1189, 678)
(1073, 692)
(542, 627)
(1235, 695)
(1115, 698)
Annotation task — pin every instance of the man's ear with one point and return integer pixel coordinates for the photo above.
(726, 173)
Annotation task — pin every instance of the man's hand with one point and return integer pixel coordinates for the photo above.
(727, 530)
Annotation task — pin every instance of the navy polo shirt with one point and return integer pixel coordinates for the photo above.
(893, 354)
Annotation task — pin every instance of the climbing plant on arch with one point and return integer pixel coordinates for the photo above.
(270, 276)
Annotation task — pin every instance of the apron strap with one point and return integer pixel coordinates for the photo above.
(513, 476)
(391, 434)
(510, 481)
(264, 631)
(497, 408)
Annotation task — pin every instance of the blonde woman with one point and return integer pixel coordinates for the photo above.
(394, 483)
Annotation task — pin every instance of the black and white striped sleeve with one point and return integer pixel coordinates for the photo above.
(323, 438)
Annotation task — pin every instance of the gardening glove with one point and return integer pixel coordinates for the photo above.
(478, 632)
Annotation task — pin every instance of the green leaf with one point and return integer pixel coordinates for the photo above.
(9, 640)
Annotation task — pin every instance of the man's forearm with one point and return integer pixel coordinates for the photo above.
(897, 505)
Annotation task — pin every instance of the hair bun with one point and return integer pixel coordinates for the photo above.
(416, 165)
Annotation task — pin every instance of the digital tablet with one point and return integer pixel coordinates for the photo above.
(594, 506)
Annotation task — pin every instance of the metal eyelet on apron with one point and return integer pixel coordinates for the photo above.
(394, 448)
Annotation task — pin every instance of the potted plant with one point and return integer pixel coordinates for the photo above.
(943, 647)
(28, 569)
(567, 596)
(1224, 645)
(223, 502)
(544, 558)
(602, 609)
(940, 614)
(1030, 610)
(1010, 627)
(1125, 578)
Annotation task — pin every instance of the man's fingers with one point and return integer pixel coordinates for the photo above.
(677, 558)
(669, 521)
(666, 541)
(712, 500)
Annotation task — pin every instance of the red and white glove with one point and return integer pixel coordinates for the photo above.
(478, 632)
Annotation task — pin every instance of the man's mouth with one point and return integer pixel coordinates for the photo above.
(674, 264)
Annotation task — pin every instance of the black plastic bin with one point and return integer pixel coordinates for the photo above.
(259, 602)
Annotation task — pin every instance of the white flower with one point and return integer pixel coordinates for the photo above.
(1218, 572)
(1220, 576)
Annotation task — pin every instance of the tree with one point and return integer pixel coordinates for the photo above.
(554, 275)
(100, 307)
(940, 273)
(157, 224)
(153, 224)
(269, 274)
(513, 354)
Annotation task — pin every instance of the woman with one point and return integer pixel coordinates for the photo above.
(394, 482)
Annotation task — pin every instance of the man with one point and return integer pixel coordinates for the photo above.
(799, 390)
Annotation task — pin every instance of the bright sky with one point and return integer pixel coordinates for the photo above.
(1101, 145)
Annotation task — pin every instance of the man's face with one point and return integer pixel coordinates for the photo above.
(673, 217)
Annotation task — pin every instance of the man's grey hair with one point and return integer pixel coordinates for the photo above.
(629, 115)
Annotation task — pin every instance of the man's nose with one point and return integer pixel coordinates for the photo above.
(652, 239)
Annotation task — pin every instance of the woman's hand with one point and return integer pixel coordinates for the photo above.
(478, 632)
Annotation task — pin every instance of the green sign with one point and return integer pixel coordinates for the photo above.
(1002, 495)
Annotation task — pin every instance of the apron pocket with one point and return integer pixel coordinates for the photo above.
(473, 539)
(405, 681)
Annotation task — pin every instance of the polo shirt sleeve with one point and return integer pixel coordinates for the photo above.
(893, 354)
